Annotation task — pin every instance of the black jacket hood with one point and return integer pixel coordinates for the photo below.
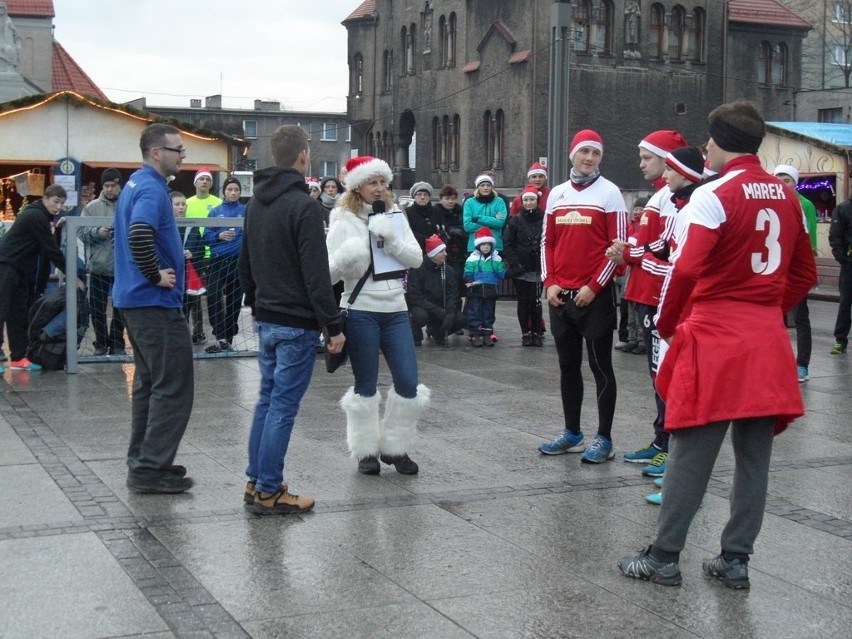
(271, 182)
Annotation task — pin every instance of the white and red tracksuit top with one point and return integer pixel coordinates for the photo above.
(743, 260)
(580, 223)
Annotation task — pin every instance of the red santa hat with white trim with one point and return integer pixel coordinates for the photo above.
(202, 172)
(688, 162)
(434, 245)
(530, 190)
(483, 236)
(536, 168)
(662, 142)
(584, 138)
(363, 168)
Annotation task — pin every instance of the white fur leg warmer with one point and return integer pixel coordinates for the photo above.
(399, 424)
(362, 423)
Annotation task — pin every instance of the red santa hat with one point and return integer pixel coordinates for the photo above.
(434, 245)
(662, 142)
(688, 162)
(202, 172)
(586, 137)
(530, 190)
(536, 168)
(483, 236)
(363, 168)
(312, 183)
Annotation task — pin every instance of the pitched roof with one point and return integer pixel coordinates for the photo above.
(69, 76)
(35, 8)
(366, 9)
(838, 135)
(764, 12)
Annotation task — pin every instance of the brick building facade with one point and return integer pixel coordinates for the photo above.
(443, 90)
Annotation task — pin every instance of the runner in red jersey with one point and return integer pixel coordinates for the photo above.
(743, 261)
(583, 216)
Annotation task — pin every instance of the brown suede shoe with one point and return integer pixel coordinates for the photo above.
(280, 503)
(251, 491)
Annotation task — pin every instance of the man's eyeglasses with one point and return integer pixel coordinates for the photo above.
(179, 150)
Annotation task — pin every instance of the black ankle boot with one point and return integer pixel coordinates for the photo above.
(369, 466)
(403, 464)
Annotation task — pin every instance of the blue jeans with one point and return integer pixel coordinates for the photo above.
(286, 358)
(369, 333)
(480, 315)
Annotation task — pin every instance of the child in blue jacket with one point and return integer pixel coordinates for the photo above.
(483, 271)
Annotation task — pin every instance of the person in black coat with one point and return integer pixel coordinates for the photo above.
(453, 235)
(433, 295)
(522, 251)
(423, 218)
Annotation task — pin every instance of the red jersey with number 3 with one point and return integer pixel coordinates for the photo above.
(743, 261)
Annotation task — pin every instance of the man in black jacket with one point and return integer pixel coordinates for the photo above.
(284, 274)
(840, 240)
(29, 238)
(433, 295)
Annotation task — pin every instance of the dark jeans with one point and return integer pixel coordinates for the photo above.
(162, 388)
(844, 309)
(803, 333)
(529, 305)
(481, 313)
(571, 326)
(14, 304)
(645, 317)
(224, 297)
(420, 317)
(99, 292)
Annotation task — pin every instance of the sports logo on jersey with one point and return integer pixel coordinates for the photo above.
(574, 217)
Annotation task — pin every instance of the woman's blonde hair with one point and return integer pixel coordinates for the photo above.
(352, 201)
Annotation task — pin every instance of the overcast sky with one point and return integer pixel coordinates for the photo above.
(172, 50)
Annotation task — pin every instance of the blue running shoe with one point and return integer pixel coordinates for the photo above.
(599, 451)
(642, 456)
(657, 467)
(655, 499)
(803, 374)
(658, 482)
(567, 442)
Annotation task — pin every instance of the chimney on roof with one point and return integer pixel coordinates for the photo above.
(213, 102)
(267, 105)
(195, 103)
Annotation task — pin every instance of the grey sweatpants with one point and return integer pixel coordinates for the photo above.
(692, 455)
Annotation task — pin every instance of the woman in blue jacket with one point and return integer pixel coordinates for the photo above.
(485, 209)
(224, 293)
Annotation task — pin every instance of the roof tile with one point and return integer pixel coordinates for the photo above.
(36, 8)
(764, 12)
(69, 76)
(364, 10)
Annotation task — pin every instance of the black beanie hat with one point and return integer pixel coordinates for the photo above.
(688, 162)
(231, 180)
(111, 175)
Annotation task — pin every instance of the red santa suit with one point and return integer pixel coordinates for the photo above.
(744, 260)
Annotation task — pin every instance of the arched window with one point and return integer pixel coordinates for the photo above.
(582, 25)
(656, 31)
(499, 130)
(357, 79)
(436, 144)
(445, 142)
(443, 42)
(368, 140)
(387, 70)
(412, 50)
(403, 46)
(603, 28)
(764, 60)
(697, 35)
(451, 41)
(488, 138)
(455, 140)
(779, 65)
(677, 33)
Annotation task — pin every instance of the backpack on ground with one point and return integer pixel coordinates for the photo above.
(47, 345)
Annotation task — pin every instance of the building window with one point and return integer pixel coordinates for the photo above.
(250, 129)
(779, 65)
(443, 41)
(451, 41)
(764, 60)
(582, 25)
(842, 12)
(436, 144)
(696, 35)
(839, 55)
(676, 33)
(834, 115)
(329, 169)
(306, 127)
(348, 133)
(656, 31)
(387, 70)
(329, 132)
(357, 72)
(455, 142)
(409, 48)
(494, 125)
(603, 28)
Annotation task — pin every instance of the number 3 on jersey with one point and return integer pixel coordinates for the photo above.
(767, 261)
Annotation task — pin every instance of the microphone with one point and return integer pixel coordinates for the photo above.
(379, 207)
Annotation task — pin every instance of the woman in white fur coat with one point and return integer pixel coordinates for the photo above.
(378, 322)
